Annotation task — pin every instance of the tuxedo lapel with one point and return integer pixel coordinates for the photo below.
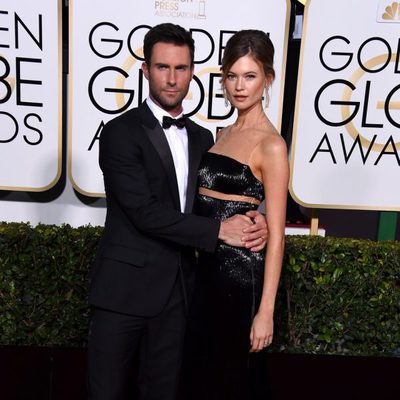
(160, 143)
(194, 161)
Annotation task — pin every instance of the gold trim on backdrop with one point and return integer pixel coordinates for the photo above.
(351, 129)
(199, 74)
(284, 61)
(314, 222)
(296, 110)
(120, 81)
(70, 97)
(60, 94)
(341, 206)
(294, 137)
(128, 64)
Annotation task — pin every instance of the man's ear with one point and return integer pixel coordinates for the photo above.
(145, 70)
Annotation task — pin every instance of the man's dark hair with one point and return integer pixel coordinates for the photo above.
(167, 33)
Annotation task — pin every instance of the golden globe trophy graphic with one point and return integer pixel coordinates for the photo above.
(106, 64)
(202, 10)
(346, 146)
(384, 118)
(8, 81)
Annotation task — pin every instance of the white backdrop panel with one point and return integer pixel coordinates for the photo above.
(106, 51)
(30, 94)
(345, 151)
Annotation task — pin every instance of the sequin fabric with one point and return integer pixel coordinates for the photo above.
(228, 290)
(238, 266)
(227, 175)
(238, 269)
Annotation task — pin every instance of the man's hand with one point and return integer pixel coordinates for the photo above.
(255, 236)
(232, 229)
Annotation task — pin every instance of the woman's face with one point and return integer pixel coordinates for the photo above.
(245, 83)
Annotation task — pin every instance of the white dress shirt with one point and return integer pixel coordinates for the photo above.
(178, 143)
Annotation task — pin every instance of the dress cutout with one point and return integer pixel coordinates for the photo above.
(227, 294)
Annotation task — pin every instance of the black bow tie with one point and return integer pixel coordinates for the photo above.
(168, 121)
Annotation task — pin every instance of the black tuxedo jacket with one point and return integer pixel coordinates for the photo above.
(146, 238)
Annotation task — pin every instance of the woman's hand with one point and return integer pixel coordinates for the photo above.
(255, 236)
(261, 333)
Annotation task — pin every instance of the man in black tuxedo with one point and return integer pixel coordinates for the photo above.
(143, 270)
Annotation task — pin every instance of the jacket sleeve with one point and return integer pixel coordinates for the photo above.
(126, 182)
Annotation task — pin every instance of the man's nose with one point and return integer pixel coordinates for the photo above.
(172, 77)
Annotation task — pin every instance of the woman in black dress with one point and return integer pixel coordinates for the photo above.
(231, 319)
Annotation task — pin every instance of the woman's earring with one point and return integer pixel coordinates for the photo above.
(266, 96)
(227, 104)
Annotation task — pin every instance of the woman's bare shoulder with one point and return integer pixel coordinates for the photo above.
(271, 143)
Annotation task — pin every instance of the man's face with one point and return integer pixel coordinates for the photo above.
(169, 75)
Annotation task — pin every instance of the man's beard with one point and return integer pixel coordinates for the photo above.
(165, 102)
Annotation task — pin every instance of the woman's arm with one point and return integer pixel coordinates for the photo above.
(270, 158)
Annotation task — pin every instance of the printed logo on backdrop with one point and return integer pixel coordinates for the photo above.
(187, 9)
(105, 62)
(347, 129)
(30, 97)
(127, 76)
(389, 11)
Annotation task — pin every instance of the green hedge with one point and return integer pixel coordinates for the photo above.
(340, 296)
(43, 283)
(337, 296)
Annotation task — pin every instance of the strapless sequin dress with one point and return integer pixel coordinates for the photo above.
(228, 289)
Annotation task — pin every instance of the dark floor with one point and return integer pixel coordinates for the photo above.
(60, 374)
